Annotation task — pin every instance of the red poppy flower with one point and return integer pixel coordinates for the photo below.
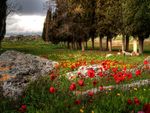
(79, 73)
(81, 82)
(91, 73)
(145, 62)
(78, 102)
(129, 75)
(100, 74)
(52, 76)
(146, 108)
(125, 68)
(91, 93)
(72, 87)
(52, 90)
(136, 101)
(129, 101)
(138, 72)
(101, 88)
(114, 69)
(24, 107)
(73, 67)
(94, 83)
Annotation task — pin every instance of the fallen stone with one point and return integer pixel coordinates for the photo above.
(125, 87)
(81, 72)
(17, 70)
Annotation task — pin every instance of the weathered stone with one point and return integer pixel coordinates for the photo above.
(81, 72)
(124, 87)
(17, 70)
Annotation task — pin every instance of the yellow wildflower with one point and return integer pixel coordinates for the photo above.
(81, 110)
(92, 111)
(135, 89)
(118, 94)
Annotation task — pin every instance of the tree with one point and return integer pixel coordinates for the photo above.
(108, 20)
(138, 21)
(3, 15)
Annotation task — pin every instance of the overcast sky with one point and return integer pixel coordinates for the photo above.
(29, 18)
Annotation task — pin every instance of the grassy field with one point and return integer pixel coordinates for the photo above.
(38, 99)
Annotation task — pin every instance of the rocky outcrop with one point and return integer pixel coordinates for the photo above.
(17, 70)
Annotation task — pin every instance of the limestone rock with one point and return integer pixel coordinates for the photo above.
(17, 70)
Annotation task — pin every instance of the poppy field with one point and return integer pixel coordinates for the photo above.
(95, 85)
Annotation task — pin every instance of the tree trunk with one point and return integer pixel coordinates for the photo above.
(82, 44)
(141, 44)
(0, 44)
(68, 45)
(127, 43)
(100, 43)
(106, 43)
(135, 45)
(123, 43)
(75, 45)
(86, 44)
(110, 44)
(92, 42)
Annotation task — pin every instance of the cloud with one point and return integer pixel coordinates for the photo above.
(17, 24)
(29, 7)
(30, 17)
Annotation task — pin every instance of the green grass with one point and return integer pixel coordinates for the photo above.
(39, 100)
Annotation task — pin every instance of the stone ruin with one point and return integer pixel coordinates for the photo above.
(17, 70)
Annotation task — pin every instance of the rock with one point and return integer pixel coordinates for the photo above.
(109, 55)
(81, 72)
(124, 87)
(127, 53)
(17, 70)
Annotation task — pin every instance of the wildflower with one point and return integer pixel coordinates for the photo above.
(135, 89)
(52, 90)
(146, 108)
(129, 101)
(136, 101)
(72, 67)
(72, 87)
(114, 69)
(52, 76)
(81, 82)
(94, 83)
(138, 72)
(24, 107)
(145, 62)
(140, 112)
(77, 102)
(109, 89)
(91, 93)
(79, 73)
(118, 94)
(101, 88)
(91, 73)
(100, 74)
(129, 75)
(81, 110)
(125, 68)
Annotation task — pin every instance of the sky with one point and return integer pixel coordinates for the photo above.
(29, 19)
